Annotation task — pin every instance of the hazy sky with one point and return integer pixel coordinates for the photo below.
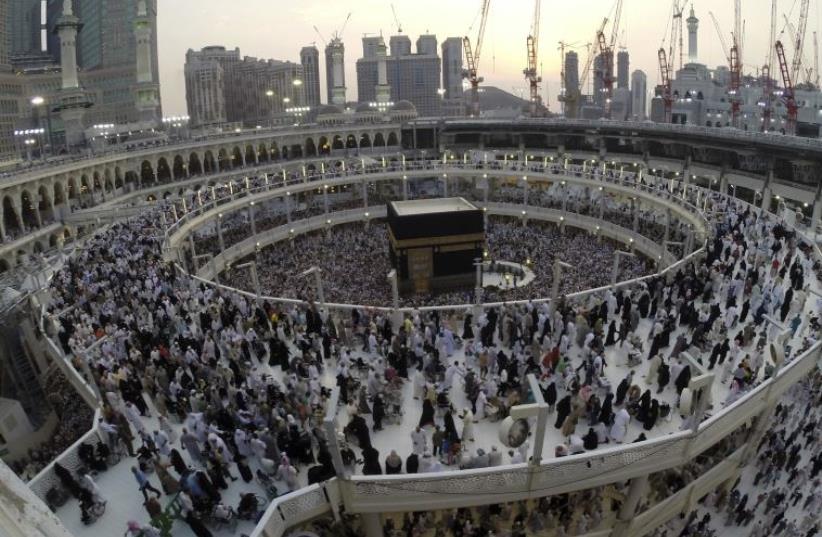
(278, 29)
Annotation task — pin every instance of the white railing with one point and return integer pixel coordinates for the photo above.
(70, 459)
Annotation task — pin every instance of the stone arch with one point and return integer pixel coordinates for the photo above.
(379, 140)
(223, 161)
(54, 238)
(20, 257)
(351, 142)
(28, 210)
(284, 152)
(98, 185)
(209, 166)
(274, 152)
(296, 151)
(11, 220)
(4, 266)
(44, 203)
(250, 154)
(108, 185)
(85, 188)
(71, 188)
(146, 172)
(236, 157)
(131, 177)
(194, 165)
(365, 140)
(337, 143)
(310, 148)
(163, 170)
(38, 247)
(59, 194)
(392, 139)
(118, 183)
(324, 147)
(179, 167)
(262, 153)
(118, 176)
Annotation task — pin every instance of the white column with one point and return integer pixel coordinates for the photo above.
(372, 524)
(626, 513)
(22, 512)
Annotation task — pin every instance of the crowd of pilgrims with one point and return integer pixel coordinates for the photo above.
(74, 418)
(538, 244)
(779, 490)
(203, 359)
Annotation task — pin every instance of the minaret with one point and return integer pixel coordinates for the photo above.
(337, 66)
(693, 26)
(146, 91)
(73, 100)
(383, 89)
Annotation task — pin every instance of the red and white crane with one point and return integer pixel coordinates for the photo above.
(788, 92)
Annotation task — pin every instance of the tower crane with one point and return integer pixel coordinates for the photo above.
(816, 61)
(788, 93)
(396, 19)
(799, 39)
(732, 56)
(606, 49)
(573, 96)
(530, 72)
(666, 60)
(767, 69)
(472, 57)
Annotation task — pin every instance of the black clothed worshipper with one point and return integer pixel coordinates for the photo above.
(563, 410)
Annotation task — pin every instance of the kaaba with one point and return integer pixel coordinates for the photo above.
(434, 243)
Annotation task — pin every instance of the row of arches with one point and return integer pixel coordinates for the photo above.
(18, 257)
(168, 168)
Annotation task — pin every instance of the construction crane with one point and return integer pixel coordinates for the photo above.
(733, 57)
(472, 58)
(337, 36)
(572, 97)
(816, 61)
(788, 94)
(666, 59)
(799, 39)
(606, 49)
(739, 33)
(767, 69)
(396, 19)
(530, 72)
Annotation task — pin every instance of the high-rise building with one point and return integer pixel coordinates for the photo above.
(427, 44)
(400, 45)
(106, 53)
(335, 47)
(623, 68)
(412, 77)
(599, 76)
(639, 95)
(452, 68)
(571, 72)
(205, 84)
(4, 36)
(693, 31)
(310, 60)
(221, 87)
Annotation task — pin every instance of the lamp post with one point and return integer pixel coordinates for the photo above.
(396, 321)
(318, 282)
(558, 266)
(617, 255)
(255, 281)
